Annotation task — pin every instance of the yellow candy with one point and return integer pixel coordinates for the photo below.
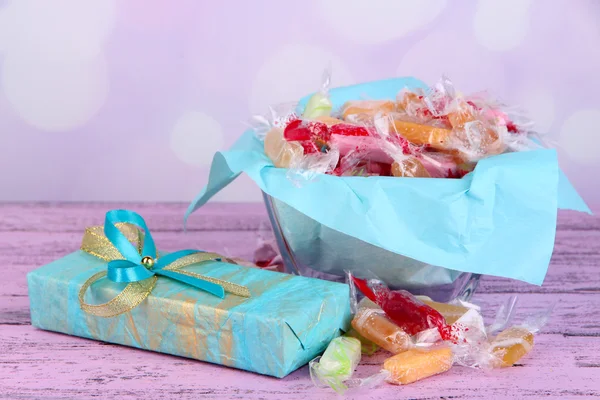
(410, 168)
(376, 327)
(329, 121)
(280, 151)
(511, 345)
(367, 107)
(416, 364)
(450, 312)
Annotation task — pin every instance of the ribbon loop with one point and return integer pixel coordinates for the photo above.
(132, 257)
(127, 271)
(114, 235)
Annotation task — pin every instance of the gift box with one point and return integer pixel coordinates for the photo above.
(413, 233)
(194, 304)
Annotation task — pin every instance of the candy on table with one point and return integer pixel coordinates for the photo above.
(416, 364)
(283, 153)
(410, 167)
(376, 327)
(367, 346)
(510, 345)
(450, 312)
(367, 107)
(338, 362)
(404, 309)
(365, 302)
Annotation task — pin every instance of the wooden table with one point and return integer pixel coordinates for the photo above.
(565, 362)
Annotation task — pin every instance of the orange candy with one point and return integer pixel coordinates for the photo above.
(420, 134)
(411, 168)
(373, 325)
(367, 107)
(329, 121)
(416, 364)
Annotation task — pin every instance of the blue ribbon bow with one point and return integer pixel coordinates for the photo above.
(137, 267)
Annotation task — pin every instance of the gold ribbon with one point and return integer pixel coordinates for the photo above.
(97, 244)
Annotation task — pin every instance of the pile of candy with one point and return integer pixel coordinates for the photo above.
(425, 337)
(423, 133)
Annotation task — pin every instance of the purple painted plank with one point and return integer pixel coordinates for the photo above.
(39, 364)
(72, 217)
(63, 217)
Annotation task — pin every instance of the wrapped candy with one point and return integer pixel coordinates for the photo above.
(424, 352)
(327, 120)
(283, 153)
(510, 345)
(416, 364)
(376, 327)
(337, 364)
(319, 105)
(433, 133)
(410, 167)
(450, 312)
(404, 309)
(358, 107)
(482, 347)
(367, 347)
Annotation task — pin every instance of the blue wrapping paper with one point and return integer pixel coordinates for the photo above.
(287, 321)
(498, 220)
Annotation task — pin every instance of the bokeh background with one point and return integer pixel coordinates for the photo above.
(128, 100)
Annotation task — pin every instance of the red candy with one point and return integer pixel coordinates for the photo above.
(408, 312)
(348, 130)
(512, 127)
(299, 130)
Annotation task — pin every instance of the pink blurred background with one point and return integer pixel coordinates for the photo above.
(128, 100)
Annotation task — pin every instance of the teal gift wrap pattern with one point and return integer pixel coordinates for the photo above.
(285, 322)
(498, 220)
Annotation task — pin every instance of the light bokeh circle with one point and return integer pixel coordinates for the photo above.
(579, 136)
(195, 138)
(376, 21)
(54, 95)
(501, 25)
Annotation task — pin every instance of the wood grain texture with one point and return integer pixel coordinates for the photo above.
(36, 364)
